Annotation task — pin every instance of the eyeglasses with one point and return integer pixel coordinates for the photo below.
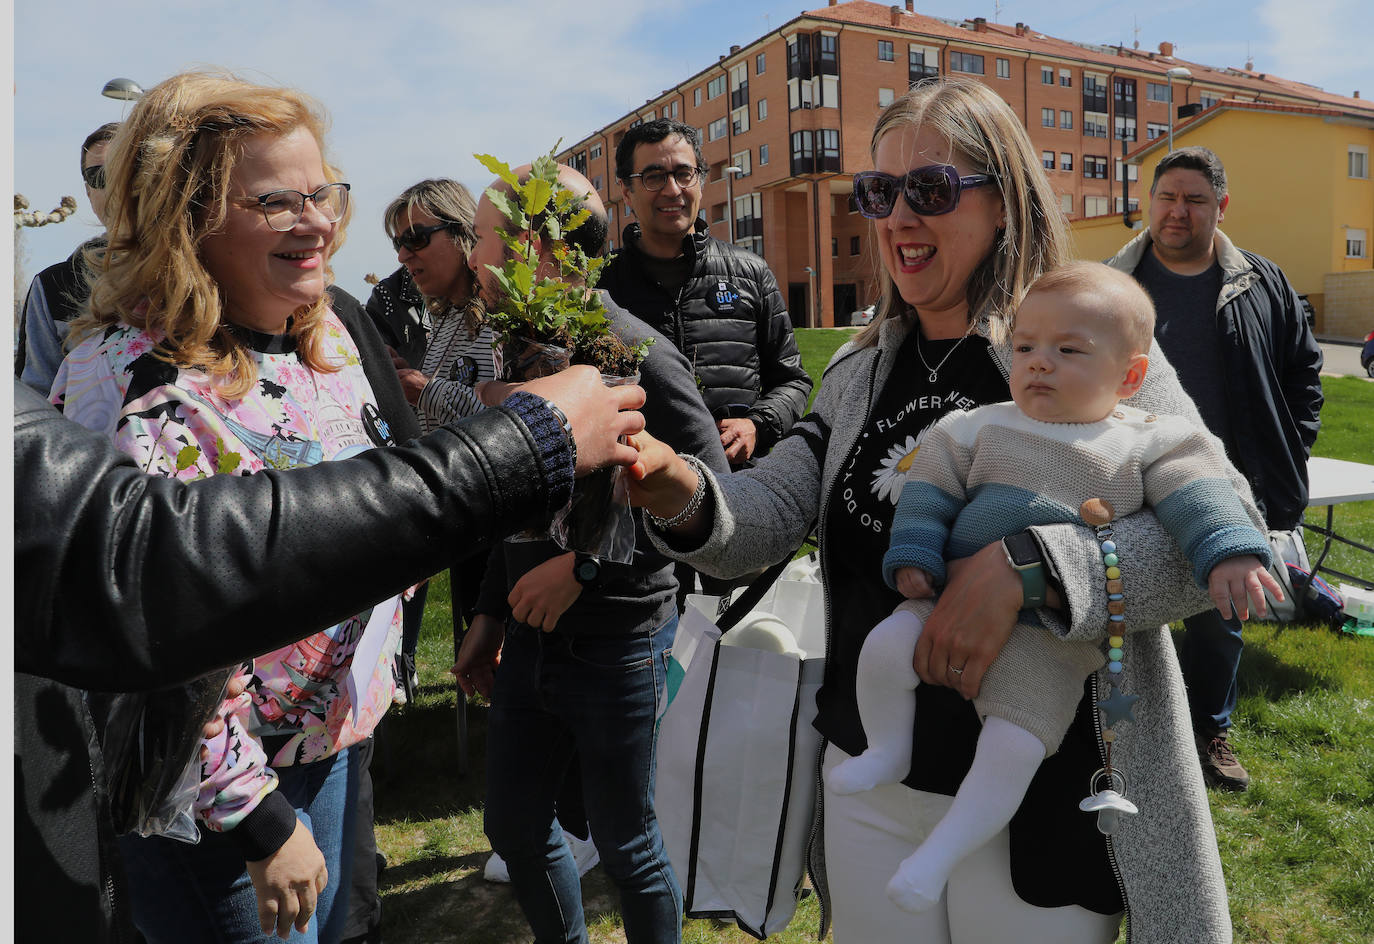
(94, 176)
(655, 180)
(283, 208)
(417, 237)
(932, 190)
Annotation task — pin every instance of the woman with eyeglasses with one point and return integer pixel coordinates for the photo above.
(964, 221)
(211, 348)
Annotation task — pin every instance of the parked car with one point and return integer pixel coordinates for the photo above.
(1367, 354)
(862, 317)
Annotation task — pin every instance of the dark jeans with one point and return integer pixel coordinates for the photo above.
(596, 695)
(184, 893)
(1210, 658)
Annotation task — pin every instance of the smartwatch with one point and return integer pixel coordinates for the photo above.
(587, 570)
(1024, 556)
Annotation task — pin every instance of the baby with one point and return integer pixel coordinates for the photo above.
(1078, 343)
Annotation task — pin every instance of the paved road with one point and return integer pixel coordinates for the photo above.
(1342, 360)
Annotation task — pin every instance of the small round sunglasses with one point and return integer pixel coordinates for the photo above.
(417, 237)
(932, 190)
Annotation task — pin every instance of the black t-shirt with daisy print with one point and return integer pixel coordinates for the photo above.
(859, 518)
(1058, 857)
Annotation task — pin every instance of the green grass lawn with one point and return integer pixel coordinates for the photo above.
(1298, 847)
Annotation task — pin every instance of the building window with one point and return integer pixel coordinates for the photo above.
(1095, 124)
(829, 149)
(1355, 244)
(1132, 171)
(1095, 93)
(1046, 75)
(966, 62)
(1134, 205)
(1065, 160)
(1095, 206)
(1047, 160)
(1066, 119)
(1066, 78)
(1208, 97)
(715, 88)
(739, 120)
(1157, 92)
(596, 181)
(1095, 167)
(718, 213)
(717, 129)
(696, 97)
(1357, 161)
(760, 63)
(741, 160)
(1125, 128)
(763, 108)
(1003, 68)
(671, 111)
(885, 51)
(595, 151)
(853, 245)
(922, 63)
(884, 97)
(1047, 117)
(763, 154)
(1154, 129)
(803, 153)
(834, 246)
(1066, 203)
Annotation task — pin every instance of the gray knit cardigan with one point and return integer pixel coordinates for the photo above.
(1167, 856)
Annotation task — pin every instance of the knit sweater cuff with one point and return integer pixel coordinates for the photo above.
(551, 444)
(265, 828)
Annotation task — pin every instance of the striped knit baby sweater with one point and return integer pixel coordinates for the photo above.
(986, 473)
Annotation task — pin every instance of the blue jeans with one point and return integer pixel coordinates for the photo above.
(183, 893)
(1210, 658)
(595, 695)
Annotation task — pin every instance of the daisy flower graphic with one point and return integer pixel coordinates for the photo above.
(891, 474)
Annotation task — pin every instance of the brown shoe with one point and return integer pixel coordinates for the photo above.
(1220, 768)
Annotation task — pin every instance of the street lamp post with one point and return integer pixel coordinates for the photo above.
(730, 173)
(1177, 72)
(123, 90)
(810, 315)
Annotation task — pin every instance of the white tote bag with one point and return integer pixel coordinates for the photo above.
(738, 759)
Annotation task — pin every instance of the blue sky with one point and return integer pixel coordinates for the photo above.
(415, 89)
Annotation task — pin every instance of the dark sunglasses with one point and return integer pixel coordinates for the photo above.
(417, 237)
(94, 176)
(932, 190)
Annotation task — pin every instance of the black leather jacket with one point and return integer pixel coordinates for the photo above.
(126, 581)
(729, 320)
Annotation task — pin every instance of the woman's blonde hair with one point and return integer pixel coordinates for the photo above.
(167, 188)
(982, 129)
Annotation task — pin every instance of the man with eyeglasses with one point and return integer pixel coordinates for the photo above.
(1232, 326)
(718, 303)
(56, 293)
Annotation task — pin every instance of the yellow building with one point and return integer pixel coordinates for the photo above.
(1301, 195)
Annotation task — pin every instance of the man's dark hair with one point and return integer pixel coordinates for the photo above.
(99, 136)
(1194, 158)
(652, 132)
(590, 237)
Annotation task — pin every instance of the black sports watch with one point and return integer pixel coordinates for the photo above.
(587, 570)
(1024, 556)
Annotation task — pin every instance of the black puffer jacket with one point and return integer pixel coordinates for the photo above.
(126, 581)
(729, 321)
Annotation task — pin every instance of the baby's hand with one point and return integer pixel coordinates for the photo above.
(914, 583)
(1235, 579)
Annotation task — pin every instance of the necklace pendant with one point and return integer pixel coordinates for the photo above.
(933, 377)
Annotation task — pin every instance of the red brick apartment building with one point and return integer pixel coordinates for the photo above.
(793, 110)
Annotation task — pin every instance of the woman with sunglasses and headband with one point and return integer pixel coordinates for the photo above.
(430, 225)
(211, 348)
(964, 221)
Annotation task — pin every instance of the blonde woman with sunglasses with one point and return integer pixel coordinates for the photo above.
(964, 221)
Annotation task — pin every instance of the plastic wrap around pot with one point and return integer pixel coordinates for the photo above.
(523, 359)
(150, 742)
(598, 519)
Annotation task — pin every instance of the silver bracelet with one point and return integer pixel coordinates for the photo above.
(693, 503)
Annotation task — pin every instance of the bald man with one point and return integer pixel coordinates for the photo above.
(582, 646)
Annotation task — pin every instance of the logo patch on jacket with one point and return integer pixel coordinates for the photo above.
(724, 297)
(378, 429)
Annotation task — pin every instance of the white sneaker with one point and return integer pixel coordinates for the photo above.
(583, 850)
